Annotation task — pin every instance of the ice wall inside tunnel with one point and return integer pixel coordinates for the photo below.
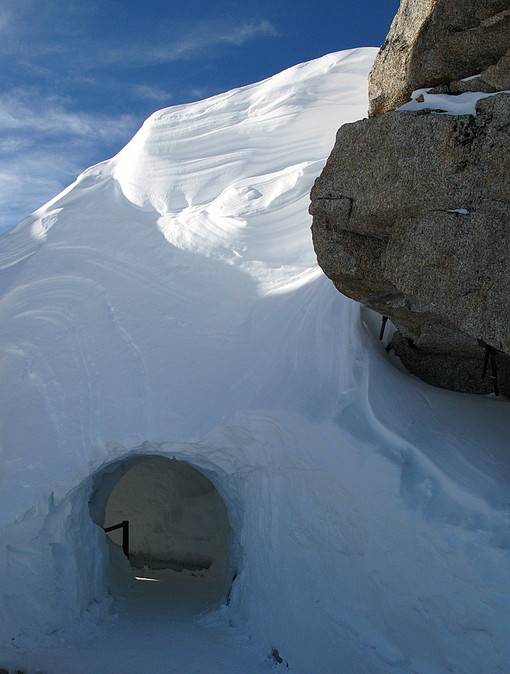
(176, 517)
(62, 564)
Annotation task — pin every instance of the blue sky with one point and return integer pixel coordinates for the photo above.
(77, 78)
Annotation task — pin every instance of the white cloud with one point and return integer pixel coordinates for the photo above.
(24, 38)
(211, 34)
(151, 93)
(27, 110)
(198, 93)
(5, 18)
(205, 35)
(44, 145)
(27, 180)
(13, 20)
(44, 140)
(250, 31)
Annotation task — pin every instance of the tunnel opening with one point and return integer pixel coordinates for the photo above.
(166, 527)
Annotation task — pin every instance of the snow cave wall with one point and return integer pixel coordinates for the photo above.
(176, 516)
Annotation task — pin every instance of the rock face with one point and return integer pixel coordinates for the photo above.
(411, 215)
(437, 42)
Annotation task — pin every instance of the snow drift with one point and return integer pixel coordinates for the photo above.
(169, 303)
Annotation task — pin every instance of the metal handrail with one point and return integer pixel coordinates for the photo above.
(124, 525)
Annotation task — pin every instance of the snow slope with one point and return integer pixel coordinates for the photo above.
(169, 302)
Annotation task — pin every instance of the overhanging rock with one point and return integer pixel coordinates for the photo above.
(411, 216)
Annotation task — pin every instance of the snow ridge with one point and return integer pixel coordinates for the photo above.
(169, 302)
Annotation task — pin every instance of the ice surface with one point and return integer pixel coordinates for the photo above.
(169, 302)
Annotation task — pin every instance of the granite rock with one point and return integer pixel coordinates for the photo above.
(411, 216)
(438, 42)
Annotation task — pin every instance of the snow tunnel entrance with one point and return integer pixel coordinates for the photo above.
(179, 533)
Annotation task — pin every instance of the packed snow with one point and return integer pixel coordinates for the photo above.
(450, 104)
(168, 303)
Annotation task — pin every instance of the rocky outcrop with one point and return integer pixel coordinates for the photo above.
(438, 42)
(411, 215)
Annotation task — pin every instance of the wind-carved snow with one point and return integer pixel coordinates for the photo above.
(169, 302)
